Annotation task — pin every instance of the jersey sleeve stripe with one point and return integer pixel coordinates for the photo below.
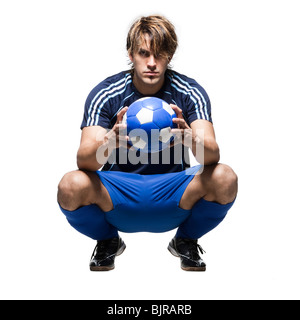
(191, 97)
(196, 96)
(114, 94)
(122, 106)
(97, 102)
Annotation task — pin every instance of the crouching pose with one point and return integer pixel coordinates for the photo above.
(146, 195)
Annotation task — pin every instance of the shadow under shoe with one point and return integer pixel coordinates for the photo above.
(105, 252)
(188, 251)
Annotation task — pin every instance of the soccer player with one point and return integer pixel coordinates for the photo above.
(145, 196)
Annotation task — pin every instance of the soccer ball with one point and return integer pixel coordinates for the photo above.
(149, 123)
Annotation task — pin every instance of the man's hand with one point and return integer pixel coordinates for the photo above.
(97, 144)
(183, 134)
(199, 137)
(117, 137)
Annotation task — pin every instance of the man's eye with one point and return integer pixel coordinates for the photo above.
(143, 53)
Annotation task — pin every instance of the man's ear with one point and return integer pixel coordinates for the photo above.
(130, 57)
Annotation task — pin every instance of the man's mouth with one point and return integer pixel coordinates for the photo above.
(151, 73)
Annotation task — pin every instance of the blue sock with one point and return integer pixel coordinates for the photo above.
(90, 221)
(205, 216)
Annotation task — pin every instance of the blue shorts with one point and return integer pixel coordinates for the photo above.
(146, 203)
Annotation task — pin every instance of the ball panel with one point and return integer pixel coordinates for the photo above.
(165, 135)
(138, 142)
(145, 116)
(134, 108)
(138, 138)
(152, 103)
(168, 108)
(149, 126)
(173, 125)
(161, 118)
(132, 123)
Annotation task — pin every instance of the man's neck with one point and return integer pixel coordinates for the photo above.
(147, 89)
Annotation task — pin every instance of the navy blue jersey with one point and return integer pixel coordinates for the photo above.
(116, 92)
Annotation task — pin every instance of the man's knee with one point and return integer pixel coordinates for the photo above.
(225, 183)
(70, 188)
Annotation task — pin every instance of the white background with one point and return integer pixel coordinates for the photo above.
(244, 53)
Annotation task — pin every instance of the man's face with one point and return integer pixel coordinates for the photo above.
(149, 70)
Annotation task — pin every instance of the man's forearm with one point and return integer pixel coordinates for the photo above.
(93, 156)
(206, 152)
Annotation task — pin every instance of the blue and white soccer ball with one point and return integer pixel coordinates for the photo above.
(149, 123)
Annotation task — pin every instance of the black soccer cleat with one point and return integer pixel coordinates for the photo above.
(187, 250)
(103, 257)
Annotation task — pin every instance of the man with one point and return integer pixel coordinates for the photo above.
(151, 197)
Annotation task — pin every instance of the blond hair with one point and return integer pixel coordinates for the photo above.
(163, 39)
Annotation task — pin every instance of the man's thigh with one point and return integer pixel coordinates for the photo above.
(217, 183)
(79, 188)
(199, 187)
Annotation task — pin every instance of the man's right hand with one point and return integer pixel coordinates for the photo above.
(117, 137)
(97, 143)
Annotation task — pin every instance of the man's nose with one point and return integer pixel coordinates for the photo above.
(151, 63)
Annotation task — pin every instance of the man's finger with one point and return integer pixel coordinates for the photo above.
(120, 128)
(120, 115)
(181, 123)
(177, 110)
